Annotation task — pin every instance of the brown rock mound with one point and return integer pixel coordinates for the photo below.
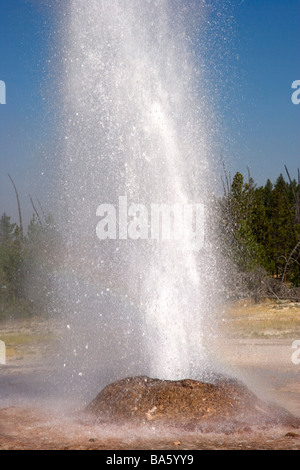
(222, 405)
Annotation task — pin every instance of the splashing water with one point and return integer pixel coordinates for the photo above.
(135, 124)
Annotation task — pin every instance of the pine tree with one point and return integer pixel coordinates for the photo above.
(7, 230)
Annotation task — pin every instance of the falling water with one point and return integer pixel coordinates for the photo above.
(135, 124)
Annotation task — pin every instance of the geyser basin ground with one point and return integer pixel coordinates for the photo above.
(32, 416)
(225, 405)
(229, 417)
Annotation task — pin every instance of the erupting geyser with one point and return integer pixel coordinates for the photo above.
(136, 125)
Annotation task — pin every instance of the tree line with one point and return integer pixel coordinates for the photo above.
(260, 229)
(258, 233)
(26, 263)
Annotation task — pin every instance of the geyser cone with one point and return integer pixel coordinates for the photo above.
(135, 126)
(222, 405)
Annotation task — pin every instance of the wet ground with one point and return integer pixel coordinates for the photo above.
(31, 428)
(31, 417)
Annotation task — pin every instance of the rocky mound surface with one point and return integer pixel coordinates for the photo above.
(223, 405)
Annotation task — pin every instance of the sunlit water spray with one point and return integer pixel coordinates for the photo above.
(135, 123)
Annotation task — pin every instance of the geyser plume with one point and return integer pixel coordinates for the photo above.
(135, 124)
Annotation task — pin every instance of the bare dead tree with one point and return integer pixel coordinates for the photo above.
(227, 182)
(35, 210)
(21, 234)
(227, 200)
(41, 207)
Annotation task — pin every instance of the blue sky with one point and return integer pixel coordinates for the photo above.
(25, 31)
(253, 84)
(267, 128)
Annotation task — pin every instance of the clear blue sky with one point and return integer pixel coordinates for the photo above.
(261, 125)
(267, 124)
